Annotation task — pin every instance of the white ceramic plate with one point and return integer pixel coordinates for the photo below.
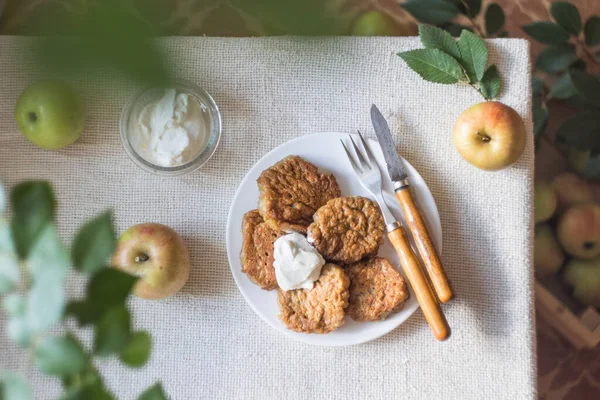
(325, 151)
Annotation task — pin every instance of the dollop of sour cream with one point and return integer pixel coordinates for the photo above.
(297, 264)
(172, 130)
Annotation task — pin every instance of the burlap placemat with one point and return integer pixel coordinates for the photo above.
(208, 343)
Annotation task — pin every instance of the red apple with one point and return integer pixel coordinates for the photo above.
(547, 255)
(490, 135)
(570, 190)
(579, 231)
(156, 254)
(544, 202)
(583, 276)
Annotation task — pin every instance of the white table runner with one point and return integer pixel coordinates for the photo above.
(208, 343)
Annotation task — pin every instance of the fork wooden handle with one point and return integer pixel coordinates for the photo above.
(422, 237)
(416, 276)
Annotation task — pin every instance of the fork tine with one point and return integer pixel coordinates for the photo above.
(367, 149)
(361, 158)
(356, 168)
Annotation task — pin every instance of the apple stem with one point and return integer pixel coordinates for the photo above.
(483, 136)
(32, 117)
(141, 258)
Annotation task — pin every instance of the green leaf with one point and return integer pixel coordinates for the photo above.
(540, 120)
(137, 351)
(456, 29)
(33, 206)
(2, 198)
(10, 274)
(46, 304)
(6, 241)
(592, 168)
(579, 64)
(14, 304)
(563, 87)
(567, 16)
(18, 330)
(48, 259)
(112, 331)
(537, 86)
(587, 86)
(494, 19)
(433, 37)
(592, 31)
(556, 58)
(581, 131)
(431, 11)
(48, 263)
(59, 356)
(490, 83)
(108, 288)
(472, 7)
(474, 55)
(94, 244)
(546, 32)
(433, 65)
(14, 387)
(154, 392)
(87, 392)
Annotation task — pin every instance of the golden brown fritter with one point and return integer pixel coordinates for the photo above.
(347, 229)
(316, 310)
(257, 250)
(291, 191)
(376, 290)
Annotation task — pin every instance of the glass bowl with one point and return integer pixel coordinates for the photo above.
(137, 102)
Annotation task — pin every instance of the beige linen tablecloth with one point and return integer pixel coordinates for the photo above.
(208, 343)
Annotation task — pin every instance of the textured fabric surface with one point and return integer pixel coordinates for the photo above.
(208, 343)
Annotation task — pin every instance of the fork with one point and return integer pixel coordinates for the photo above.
(369, 175)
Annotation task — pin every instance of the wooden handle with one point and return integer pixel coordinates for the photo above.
(425, 296)
(422, 237)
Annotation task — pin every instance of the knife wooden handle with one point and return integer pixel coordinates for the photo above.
(416, 276)
(422, 237)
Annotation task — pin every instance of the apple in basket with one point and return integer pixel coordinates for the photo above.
(490, 135)
(157, 255)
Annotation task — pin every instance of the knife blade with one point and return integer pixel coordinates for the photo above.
(394, 165)
(412, 213)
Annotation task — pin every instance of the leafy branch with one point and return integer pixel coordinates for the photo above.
(34, 266)
(445, 61)
(567, 38)
(447, 14)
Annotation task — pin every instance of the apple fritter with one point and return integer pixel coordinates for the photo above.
(316, 310)
(291, 191)
(376, 290)
(347, 229)
(257, 250)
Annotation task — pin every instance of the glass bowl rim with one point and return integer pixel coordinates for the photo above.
(215, 129)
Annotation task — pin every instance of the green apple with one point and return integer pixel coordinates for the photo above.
(376, 23)
(50, 114)
(584, 278)
(579, 231)
(570, 190)
(490, 135)
(157, 255)
(544, 201)
(578, 159)
(547, 255)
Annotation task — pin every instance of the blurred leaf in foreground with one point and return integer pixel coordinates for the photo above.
(110, 33)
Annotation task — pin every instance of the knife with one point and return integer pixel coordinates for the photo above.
(412, 214)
